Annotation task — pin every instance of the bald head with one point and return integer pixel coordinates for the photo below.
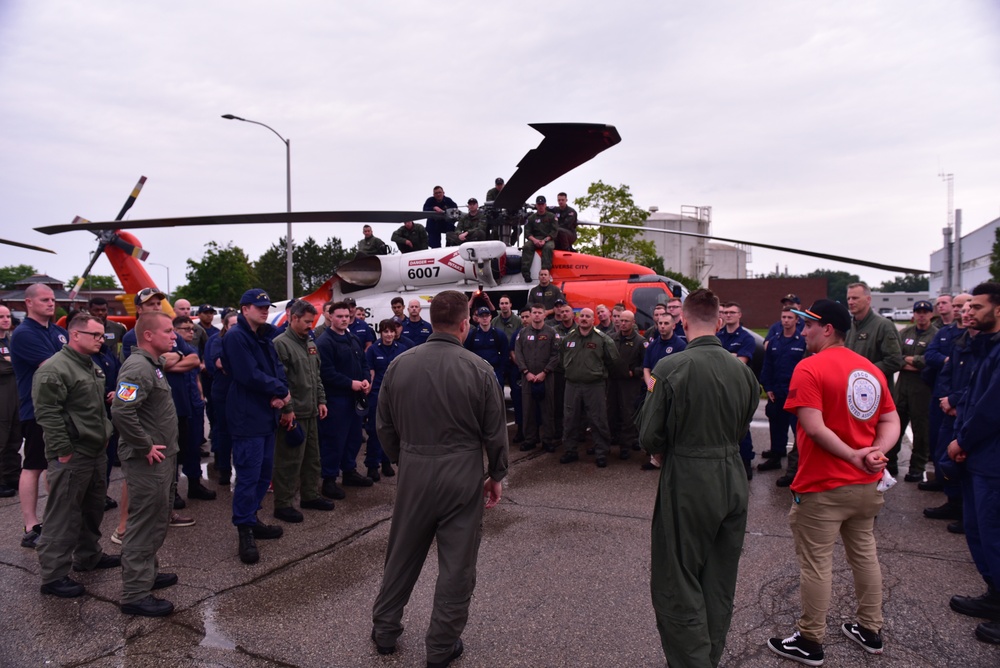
(626, 322)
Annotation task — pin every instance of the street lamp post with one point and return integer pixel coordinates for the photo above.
(288, 194)
(168, 275)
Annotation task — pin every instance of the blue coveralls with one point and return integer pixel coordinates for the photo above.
(939, 349)
(378, 358)
(342, 361)
(184, 389)
(657, 349)
(492, 345)
(363, 331)
(257, 377)
(417, 331)
(782, 355)
(222, 440)
(512, 376)
(742, 344)
(954, 380)
(978, 434)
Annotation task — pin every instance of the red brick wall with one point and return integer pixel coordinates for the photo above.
(760, 298)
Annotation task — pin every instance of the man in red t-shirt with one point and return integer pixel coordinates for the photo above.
(846, 421)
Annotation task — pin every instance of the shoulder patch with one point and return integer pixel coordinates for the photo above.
(127, 392)
(863, 394)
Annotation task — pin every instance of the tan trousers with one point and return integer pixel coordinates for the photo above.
(816, 521)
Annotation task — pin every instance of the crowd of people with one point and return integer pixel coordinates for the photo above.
(290, 408)
(546, 228)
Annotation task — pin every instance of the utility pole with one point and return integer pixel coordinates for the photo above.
(950, 270)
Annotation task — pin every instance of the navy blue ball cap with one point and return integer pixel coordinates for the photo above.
(255, 297)
(923, 305)
(827, 312)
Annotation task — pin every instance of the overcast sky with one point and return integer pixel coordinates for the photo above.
(819, 124)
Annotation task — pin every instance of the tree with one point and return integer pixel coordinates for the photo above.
(11, 274)
(95, 282)
(907, 283)
(271, 272)
(614, 205)
(836, 283)
(222, 276)
(995, 257)
(313, 264)
(688, 282)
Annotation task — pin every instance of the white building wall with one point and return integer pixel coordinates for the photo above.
(977, 246)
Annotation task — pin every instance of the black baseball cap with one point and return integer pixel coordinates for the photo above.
(473, 200)
(540, 199)
(482, 310)
(206, 308)
(791, 299)
(498, 181)
(828, 312)
(923, 305)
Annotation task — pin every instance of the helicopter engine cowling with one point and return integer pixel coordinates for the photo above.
(434, 266)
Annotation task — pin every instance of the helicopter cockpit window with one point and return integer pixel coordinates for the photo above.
(645, 299)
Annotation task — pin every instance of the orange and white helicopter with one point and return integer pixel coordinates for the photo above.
(489, 266)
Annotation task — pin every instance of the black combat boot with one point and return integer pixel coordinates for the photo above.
(248, 545)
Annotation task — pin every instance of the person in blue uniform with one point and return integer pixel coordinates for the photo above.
(977, 444)
(222, 440)
(674, 305)
(741, 345)
(415, 328)
(438, 226)
(791, 301)
(488, 342)
(782, 354)
(379, 357)
(938, 351)
(345, 375)
(31, 343)
(256, 396)
(361, 329)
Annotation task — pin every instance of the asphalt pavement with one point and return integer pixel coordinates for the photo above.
(563, 581)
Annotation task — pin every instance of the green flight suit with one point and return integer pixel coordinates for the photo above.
(913, 398)
(474, 224)
(114, 332)
(544, 227)
(876, 339)
(586, 360)
(699, 408)
(372, 246)
(439, 493)
(416, 235)
(293, 466)
(68, 394)
(143, 413)
(625, 386)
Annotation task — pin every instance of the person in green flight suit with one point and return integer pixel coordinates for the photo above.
(699, 406)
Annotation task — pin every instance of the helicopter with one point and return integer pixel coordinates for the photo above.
(491, 267)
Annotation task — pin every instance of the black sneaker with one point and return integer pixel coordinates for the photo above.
(198, 491)
(179, 503)
(288, 514)
(6, 491)
(569, 457)
(109, 504)
(797, 648)
(354, 479)
(263, 531)
(106, 561)
(318, 503)
(373, 473)
(150, 606)
(30, 538)
(785, 480)
(870, 641)
(772, 464)
(387, 470)
(64, 587)
(601, 462)
(332, 490)
(525, 447)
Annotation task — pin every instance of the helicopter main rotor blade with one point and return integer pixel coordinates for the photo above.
(246, 219)
(786, 249)
(131, 198)
(28, 246)
(565, 147)
(86, 272)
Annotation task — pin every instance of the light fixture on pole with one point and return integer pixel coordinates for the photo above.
(289, 283)
(168, 275)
